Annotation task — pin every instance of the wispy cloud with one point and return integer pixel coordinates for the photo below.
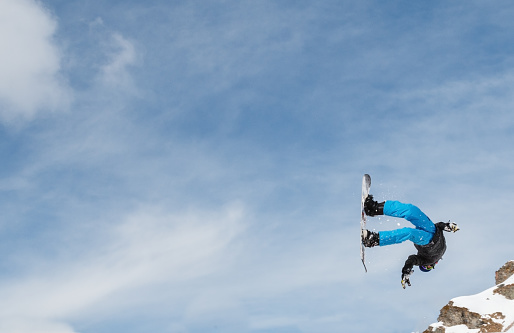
(31, 325)
(148, 247)
(123, 55)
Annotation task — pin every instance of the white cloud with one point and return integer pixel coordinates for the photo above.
(30, 78)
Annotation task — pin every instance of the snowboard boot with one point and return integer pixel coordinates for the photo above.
(372, 208)
(370, 238)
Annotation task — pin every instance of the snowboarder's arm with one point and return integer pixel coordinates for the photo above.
(410, 262)
(407, 269)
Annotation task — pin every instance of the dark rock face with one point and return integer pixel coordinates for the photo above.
(501, 275)
(453, 315)
(505, 272)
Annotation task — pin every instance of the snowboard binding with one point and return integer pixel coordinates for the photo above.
(370, 238)
(372, 208)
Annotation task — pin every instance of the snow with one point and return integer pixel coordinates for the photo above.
(461, 329)
(455, 329)
(487, 303)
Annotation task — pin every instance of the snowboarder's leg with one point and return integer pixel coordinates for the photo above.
(411, 213)
(417, 236)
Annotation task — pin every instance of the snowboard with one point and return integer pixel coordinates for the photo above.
(366, 184)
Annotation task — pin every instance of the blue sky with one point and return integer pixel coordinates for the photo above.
(193, 166)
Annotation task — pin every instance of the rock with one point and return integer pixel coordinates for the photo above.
(438, 329)
(505, 272)
(505, 290)
(453, 315)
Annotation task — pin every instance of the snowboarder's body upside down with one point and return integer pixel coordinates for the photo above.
(428, 238)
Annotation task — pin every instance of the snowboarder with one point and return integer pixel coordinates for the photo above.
(428, 238)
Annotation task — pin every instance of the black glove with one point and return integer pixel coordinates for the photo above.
(451, 227)
(406, 273)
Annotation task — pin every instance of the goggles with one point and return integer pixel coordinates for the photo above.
(429, 267)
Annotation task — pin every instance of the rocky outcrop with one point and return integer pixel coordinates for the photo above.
(452, 315)
(505, 272)
(486, 312)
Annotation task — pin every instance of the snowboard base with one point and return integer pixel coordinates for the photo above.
(366, 184)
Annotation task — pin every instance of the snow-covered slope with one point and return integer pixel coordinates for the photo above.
(489, 311)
